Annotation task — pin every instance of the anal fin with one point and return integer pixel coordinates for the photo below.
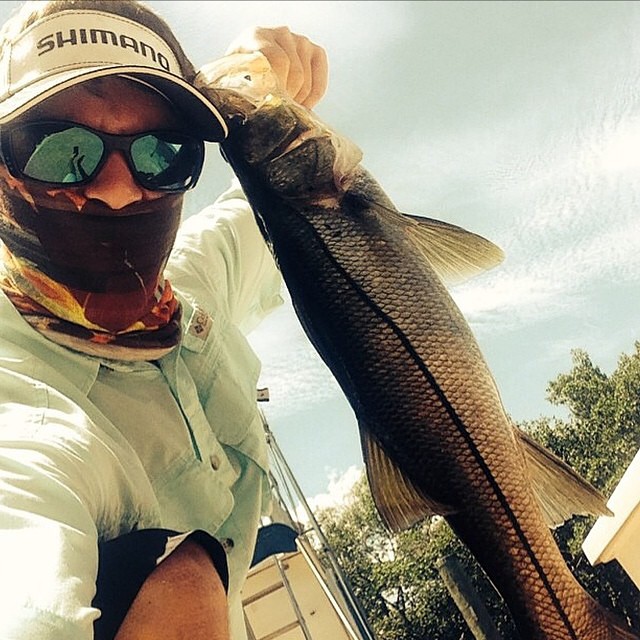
(398, 501)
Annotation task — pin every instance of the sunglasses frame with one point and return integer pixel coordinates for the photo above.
(111, 142)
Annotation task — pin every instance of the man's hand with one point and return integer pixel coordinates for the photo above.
(300, 65)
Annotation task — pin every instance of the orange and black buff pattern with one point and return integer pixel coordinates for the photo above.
(89, 277)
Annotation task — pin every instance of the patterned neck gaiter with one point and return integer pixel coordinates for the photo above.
(89, 277)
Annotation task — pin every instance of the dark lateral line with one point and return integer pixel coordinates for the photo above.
(455, 419)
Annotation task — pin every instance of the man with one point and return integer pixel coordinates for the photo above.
(132, 457)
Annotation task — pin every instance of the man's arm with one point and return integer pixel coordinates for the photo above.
(236, 260)
(183, 598)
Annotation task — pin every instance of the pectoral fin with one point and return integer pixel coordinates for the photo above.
(397, 500)
(560, 491)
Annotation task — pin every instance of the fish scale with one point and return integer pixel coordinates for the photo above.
(399, 424)
(367, 285)
(399, 414)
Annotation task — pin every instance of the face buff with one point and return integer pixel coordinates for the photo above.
(88, 277)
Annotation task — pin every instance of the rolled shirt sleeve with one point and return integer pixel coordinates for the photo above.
(223, 248)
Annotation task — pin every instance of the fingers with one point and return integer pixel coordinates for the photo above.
(301, 65)
(315, 76)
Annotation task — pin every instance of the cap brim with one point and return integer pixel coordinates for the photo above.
(200, 113)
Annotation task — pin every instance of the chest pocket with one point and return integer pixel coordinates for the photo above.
(196, 495)
(225, 372)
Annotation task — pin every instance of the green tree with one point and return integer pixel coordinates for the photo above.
(395, 576)
(599, 440)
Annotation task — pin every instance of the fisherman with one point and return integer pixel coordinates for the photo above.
(133, 466)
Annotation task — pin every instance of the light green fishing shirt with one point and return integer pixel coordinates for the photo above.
(91, 449)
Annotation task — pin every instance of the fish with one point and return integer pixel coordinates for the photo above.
(370, 287)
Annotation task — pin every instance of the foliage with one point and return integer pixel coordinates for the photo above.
(395, 576)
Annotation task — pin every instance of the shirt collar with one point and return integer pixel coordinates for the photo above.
(79, 369)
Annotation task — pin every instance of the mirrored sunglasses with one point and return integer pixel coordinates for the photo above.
(68, 154)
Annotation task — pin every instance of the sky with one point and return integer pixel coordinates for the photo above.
(516, 120)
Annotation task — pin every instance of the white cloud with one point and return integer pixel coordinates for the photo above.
(338, 489)
(572, 223)
(511, 298)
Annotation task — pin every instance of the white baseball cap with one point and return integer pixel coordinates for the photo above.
(71, 46)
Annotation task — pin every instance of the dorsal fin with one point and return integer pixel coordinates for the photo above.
(454, 253)
(560, 491)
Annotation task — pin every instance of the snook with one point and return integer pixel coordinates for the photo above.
(367, 284)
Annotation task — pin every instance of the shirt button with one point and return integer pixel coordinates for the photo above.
(227, 544)
(215, 462)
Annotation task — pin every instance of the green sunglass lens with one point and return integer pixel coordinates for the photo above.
(163, 163)
(66, 156)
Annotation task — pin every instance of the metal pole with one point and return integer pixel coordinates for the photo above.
(292, 598)
(346, 588)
